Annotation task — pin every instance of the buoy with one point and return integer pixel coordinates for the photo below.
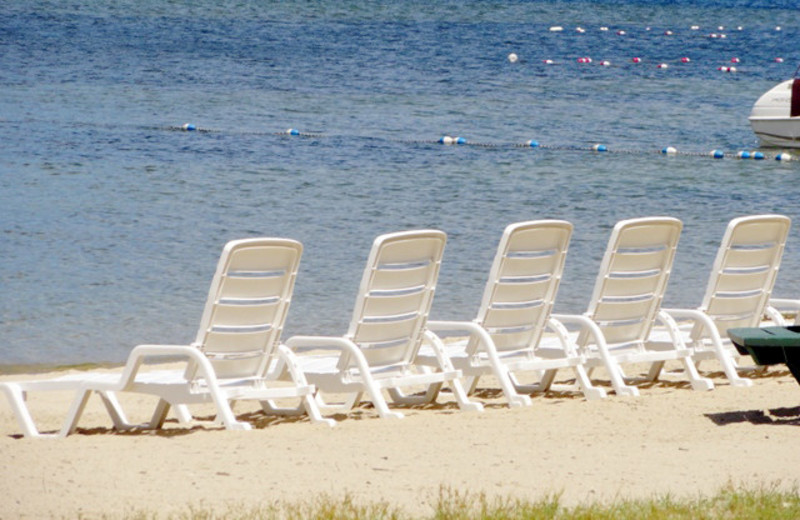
(735, 60)
(599, 148)
(783, 157)
(533, 143)
(743, 155)
(548, 62)
(556, 28)
(717, 154)
(293, 131)
(721, 28)
(460, 140)
(513, 58)
(621, 33)
(636, 60)
(695, 27)
(580, 30)
(584, 60)
(604, 29)
(757, 156)
(778, 60)
(727, 69)
(605, 63)
(662, 66)
(685, 60)
(778, 28)
(189, 127)
(668, 33)
(669, 150)
(739, 28)
(446, 139)
(713, 35)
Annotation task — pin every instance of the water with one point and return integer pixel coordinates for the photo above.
(111, 223)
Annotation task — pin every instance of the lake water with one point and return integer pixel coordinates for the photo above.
(111, 219)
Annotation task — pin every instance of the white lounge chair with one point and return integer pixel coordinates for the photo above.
(738, 291)
(386, 331)
(626, 303)
(503, 340)
(238, 338)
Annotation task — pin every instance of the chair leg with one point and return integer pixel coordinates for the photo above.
(75, 412)
(114, 410)
(590, 391)
(698, 382)
(655, 370)
(16, 398)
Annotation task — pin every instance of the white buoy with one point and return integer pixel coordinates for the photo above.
(621, 33)
(580, 30)
(778, 60)
(604, 29)
(669, 150)
(783, 156)
(662, 66)
(605, 63)
(556, 28)
(513, 57)
(548, 62)
(778, 28)
(668, 33)
(695, 27)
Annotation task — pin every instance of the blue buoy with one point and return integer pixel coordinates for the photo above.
(189, 127)
(293, 131)
(669, 150)
(533, 144)
(783, 157)
(717, 154)
(758, 156)
(599, 148)
(460, 140)
(743, 155)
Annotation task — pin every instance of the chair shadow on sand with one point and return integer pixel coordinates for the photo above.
(775, 416)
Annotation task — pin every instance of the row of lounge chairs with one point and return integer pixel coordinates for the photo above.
(392, 346)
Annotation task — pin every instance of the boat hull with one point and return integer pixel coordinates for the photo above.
(771, 121)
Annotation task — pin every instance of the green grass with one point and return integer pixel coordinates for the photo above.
(729, 503)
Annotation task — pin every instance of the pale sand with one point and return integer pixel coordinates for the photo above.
(669, 440)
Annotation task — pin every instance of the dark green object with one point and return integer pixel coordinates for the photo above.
(770, 345)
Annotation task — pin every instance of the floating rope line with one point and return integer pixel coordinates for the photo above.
(457, 141)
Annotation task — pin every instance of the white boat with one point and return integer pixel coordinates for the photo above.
(775, 117)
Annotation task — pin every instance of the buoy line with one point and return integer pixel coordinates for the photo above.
(601, 148)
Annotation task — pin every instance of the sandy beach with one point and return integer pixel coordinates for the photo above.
(669, 440)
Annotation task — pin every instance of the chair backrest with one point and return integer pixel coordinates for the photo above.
(247, 304)
(395, 297)
(633, 278)
(744, 271)
(523, 282)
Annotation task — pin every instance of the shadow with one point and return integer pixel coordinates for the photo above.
(776, 416)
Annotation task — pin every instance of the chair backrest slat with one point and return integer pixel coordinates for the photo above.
(247, 304)
(633, 278)
(395, 297)
(744, 271)
(519, 295)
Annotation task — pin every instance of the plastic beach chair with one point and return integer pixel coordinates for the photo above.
(503, 340)
(238, 339)
(626, 302)
(387, 328)
(738, 291)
